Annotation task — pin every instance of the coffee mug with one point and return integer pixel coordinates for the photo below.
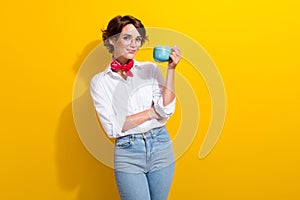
(161, 53)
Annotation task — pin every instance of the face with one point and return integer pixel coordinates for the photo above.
(127, 44)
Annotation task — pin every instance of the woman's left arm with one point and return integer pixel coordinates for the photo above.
(169, 89)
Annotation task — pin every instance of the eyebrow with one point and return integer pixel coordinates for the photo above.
(126, 34)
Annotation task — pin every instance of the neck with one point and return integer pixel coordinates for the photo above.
(122, 61)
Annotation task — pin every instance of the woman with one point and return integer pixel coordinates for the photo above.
(133, 102)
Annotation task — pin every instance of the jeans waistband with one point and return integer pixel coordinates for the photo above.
(151, 133)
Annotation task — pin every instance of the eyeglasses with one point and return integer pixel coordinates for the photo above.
(127, 39)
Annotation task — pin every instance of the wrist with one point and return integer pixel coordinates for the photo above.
(171, 67)
(149, 114)
(152, 114)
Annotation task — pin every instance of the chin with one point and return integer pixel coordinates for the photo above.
(129, 56)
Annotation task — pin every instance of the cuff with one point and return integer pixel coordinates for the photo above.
(165, 111)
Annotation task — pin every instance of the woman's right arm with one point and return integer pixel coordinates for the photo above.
(112, 122)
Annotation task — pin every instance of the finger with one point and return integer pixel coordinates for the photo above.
(176, 52)
(176, 56)
(174, 59)
(176, 48)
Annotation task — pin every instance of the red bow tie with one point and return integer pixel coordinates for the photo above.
(126, 67)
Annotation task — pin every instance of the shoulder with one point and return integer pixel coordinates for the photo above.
(145, 64)
(146, 67)
(97, 79)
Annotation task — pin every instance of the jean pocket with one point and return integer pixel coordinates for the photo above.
(124, 142)
(163, 136)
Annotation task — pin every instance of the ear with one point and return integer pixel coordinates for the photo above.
(112, 41)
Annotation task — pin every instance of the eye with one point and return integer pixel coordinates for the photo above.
(138, 40)
(126, 38)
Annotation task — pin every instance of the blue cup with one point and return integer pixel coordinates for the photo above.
(161, 53)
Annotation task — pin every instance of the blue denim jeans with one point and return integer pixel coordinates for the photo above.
(144, 165)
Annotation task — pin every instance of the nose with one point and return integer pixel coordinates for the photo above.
(132, 42)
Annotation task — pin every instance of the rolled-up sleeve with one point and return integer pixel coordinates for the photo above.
(111, 121)
(158, 86)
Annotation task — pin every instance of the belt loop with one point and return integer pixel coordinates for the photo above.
(153, 133)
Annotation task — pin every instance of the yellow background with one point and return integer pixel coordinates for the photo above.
(255, 45)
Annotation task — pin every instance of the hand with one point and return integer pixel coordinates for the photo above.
(153, 114)
(175, 57)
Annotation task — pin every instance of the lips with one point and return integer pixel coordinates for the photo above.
(131, 51)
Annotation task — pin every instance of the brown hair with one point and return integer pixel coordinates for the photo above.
(115, 26)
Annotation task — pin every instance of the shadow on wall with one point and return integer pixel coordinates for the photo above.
(78, 170)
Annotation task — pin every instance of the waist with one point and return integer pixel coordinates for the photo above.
(152, 133)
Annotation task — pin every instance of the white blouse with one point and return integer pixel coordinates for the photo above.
(115, 98)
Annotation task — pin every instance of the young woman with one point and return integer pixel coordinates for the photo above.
(133, 102)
